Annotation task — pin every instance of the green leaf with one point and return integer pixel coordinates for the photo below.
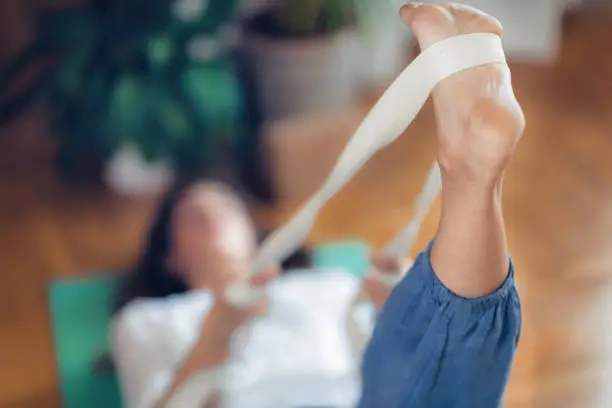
(71, 78)
(303, 18)
(165, 125)
(127, 107)
(214, 95)
(218, 13)
(160, 51)
(173, 119)
(69, 27)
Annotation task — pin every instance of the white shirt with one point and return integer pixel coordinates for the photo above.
(304, 352)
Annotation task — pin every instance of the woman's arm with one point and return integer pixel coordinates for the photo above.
(143, 350)
(209, 352)
(144, 345)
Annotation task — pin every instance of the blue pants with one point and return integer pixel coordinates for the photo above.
(433, 349)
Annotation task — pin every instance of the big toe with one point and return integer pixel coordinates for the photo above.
(430, 23)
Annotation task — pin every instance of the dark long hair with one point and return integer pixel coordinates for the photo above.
(152, 277)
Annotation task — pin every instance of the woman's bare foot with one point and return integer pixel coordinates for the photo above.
(479, 119)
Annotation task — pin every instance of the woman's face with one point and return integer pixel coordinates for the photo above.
(213, 237)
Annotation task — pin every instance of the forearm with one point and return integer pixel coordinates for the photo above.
(470, 254)
(208, 353)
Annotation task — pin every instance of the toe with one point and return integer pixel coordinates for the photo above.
(430, 23)
(471, 20)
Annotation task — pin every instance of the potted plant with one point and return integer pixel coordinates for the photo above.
(305, 55)
(147, 90)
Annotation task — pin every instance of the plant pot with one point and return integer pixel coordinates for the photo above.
(305, 76)
(128, 174)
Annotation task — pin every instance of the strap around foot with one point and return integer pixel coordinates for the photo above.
(388, 119)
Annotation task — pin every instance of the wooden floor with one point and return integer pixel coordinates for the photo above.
(558, 206)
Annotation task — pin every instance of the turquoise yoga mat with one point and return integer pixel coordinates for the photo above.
(80, 312)
(353, 256)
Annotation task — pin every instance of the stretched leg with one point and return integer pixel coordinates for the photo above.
(448, 333)
(479, 123)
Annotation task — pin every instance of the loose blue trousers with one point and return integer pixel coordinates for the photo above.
(433, 349)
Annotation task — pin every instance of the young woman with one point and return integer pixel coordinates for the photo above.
(173, 321)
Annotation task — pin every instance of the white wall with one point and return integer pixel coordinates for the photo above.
(532, 27)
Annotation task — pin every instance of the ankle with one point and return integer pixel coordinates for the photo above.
(468, 180)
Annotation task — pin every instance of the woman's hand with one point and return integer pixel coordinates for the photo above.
(377, 290)
(225, 318)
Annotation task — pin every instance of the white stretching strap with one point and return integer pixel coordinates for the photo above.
(393, 113)
(403, 242)
(388, 119)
